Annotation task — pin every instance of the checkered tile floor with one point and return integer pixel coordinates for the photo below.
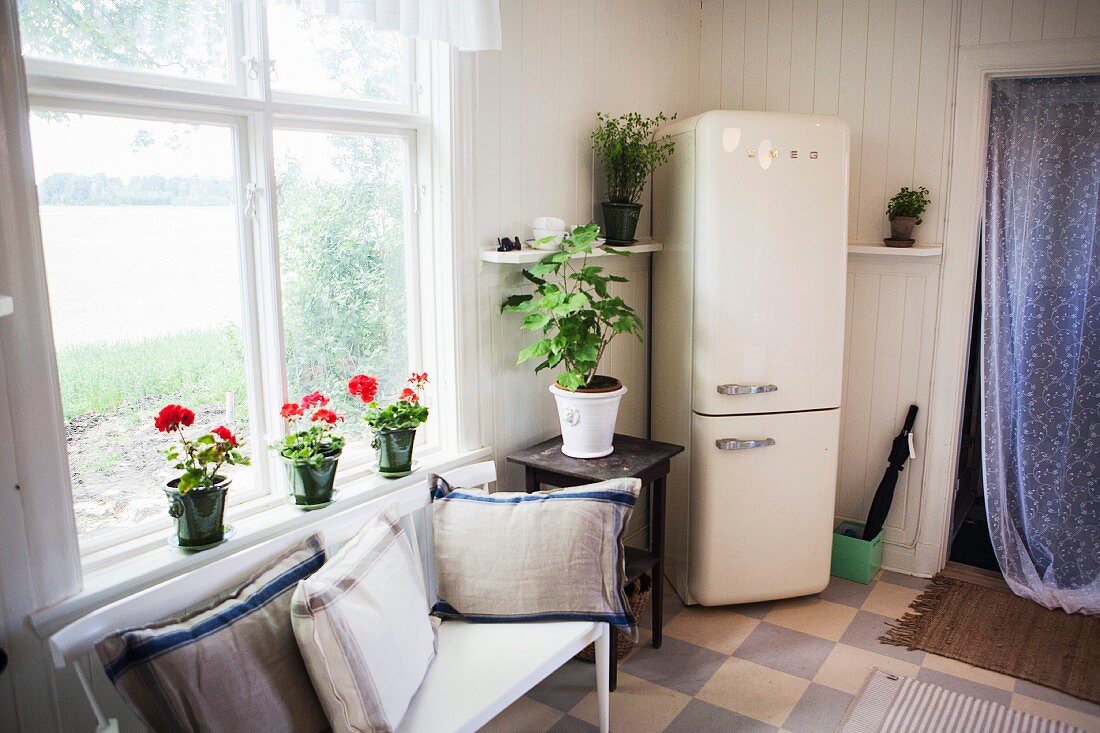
(782, 666)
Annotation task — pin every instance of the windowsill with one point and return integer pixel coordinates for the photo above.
(130, 567)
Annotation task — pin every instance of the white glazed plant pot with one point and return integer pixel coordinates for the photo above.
(587, 421)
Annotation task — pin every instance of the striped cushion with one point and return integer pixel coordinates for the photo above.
(363, 627)
(230, 666)
(549, 555)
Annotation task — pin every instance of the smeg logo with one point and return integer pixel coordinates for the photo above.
(813, 154)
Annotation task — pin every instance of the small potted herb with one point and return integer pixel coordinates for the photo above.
(196, 500)
(630, 154)
(311, 453)
(395, 424)
(578, 316)
(904, 211)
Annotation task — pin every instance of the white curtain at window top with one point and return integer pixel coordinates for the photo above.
(468, 25)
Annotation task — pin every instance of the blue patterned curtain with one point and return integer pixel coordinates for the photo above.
(1041, 338)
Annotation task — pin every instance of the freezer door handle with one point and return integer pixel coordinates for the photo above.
(739, 444)
(746, 388)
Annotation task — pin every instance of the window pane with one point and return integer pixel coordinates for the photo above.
(321, 53)
(342, 253)
(139, 228)
(176, 37)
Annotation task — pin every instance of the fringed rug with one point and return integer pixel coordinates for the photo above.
(890, 703)
(998, 630)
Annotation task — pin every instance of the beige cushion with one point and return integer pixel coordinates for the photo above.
(363, 626)
(230, 666)
(549, 555)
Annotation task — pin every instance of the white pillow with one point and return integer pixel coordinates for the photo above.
(363, 628)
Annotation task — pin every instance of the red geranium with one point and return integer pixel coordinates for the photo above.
(408, 395)
(418, 380)
(326, 416)
(172, 417)
(363, 386)
(292, 410)
(314, 399)
(225, 434)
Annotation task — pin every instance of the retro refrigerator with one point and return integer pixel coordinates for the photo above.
(747, 344)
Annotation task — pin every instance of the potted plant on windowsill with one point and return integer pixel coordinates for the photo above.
(578, 317)
(311, 454)
(196, 500)
(630, 154)
(904, 211)
(395, 424)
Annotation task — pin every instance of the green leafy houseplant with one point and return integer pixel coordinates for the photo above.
(201, 458)
(310, 446)
(909, 202)
(572, 307)
(629, 152)
(394, 424)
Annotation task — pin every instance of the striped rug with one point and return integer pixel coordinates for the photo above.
(890, 703)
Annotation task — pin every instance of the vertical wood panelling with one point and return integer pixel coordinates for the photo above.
(853, 73)
(933, 91)
(996, 21)
(970, 22)
(1027, 21)
(756, 54)
(1088, 19)
(778, 74)
(710, 62)
(1059, 18)
(803, 55)
(732, 53)
(876, 121)
(830, 16)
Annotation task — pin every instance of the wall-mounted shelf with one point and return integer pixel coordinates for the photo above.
(7, 305)
(879, 249)
(527, 256)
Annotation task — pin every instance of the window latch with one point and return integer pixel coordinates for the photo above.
(250, 191)
(252, 66)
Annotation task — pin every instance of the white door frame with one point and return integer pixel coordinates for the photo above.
(977, 66)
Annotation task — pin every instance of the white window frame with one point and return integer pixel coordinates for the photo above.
(254, 111)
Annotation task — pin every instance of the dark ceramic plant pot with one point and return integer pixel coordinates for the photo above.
(620, 222)
(901, 227)
(198, 513)
(395, 451)
(312, 485)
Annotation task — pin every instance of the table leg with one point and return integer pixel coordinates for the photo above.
(614, 671)
(531, 483)
(657, 547)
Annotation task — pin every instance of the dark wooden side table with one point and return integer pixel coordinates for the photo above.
(647, 460)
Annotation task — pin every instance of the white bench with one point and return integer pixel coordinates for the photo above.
(479, 670)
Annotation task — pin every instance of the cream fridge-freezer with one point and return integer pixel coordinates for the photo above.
(747, 339)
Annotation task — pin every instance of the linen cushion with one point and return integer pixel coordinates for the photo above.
(548, 555)
(232, 665)
(363, 626)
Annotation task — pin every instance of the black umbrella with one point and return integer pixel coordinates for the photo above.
(884, 496)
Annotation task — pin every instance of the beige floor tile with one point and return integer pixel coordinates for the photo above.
(636, 706)
(1056, 712)
(713, 628)
(969, 672)
(526, 715)
(825, 619)
(887, 599)
(754, 690)
(846, 668)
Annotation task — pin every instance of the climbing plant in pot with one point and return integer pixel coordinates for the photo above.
(395, 424)
(311, 450)
(572, 307)
(904, 211)
(196, 499)
(630, 153)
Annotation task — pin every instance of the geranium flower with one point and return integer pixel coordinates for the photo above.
(292, 410)
(326, 416)
(418, 380)
(225, 434)
(409, 395)
(314, 399)
(172, 417)
(363, 386)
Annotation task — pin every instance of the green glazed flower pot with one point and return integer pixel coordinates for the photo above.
(312, 485)
(395, 451)
(620, 222)
(198, 513)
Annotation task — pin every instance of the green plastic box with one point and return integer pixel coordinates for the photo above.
(854, 558)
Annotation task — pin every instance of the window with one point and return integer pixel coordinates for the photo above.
(251, 230)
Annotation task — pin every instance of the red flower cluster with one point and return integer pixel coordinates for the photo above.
(225, 434)
(418, 380)
(172, 417)
(326, 416)
(363, 386)
(409, 395)
(314, 399)
(292, 410)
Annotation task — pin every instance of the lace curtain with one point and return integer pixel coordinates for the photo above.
(1041, 338)
(468, 25)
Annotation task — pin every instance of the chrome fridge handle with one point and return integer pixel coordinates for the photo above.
(734, 389)
(738, 444)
